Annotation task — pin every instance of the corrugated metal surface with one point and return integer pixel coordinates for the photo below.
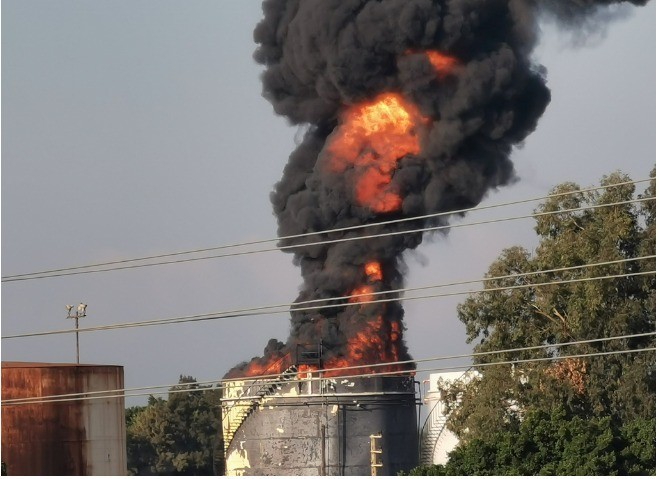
(86, 437)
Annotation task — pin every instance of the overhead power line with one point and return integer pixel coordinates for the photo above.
(300, 306)
(113, 393)
(122, 264)
(363, 375)
(348, 368)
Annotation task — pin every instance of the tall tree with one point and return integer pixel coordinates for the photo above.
(174, 436)
(555, 443)
(575, 228)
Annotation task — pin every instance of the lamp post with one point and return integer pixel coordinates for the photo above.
(79, 313)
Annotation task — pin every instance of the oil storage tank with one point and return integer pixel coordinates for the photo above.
(302, 424)
(65, 435)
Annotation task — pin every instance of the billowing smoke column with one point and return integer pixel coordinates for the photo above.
(412, 107)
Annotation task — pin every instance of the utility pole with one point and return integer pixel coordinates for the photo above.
(81, 312)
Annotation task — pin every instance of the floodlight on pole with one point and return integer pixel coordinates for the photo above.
(80, 312)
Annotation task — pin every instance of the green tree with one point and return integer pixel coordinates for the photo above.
(575, 228)
(174, 436)
(555, 443)
(639, 454)
(139, 449)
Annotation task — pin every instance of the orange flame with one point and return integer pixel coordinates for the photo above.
(272, 365)
(361, 294)
(367, 347)
(372, 138)
(377, 342)
(443, 64)
(395, 332)
(365, 292)
(373, 271)
(304, 370)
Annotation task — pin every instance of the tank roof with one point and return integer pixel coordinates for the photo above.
(31, 364)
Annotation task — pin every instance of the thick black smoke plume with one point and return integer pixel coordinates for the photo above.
(320, 57)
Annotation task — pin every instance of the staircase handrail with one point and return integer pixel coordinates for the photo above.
(432, 417)
(262, 391)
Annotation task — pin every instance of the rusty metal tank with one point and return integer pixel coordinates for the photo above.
(320, 426)
(67, 438)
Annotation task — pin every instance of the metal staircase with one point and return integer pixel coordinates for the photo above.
(431, 433)
(236, 412)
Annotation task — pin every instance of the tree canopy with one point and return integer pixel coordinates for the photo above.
(174, 436)
(553, 443)
(592, 412)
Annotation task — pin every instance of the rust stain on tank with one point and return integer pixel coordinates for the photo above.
(52, 438)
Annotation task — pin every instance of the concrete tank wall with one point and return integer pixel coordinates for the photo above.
(295, 432)
(85, 437)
